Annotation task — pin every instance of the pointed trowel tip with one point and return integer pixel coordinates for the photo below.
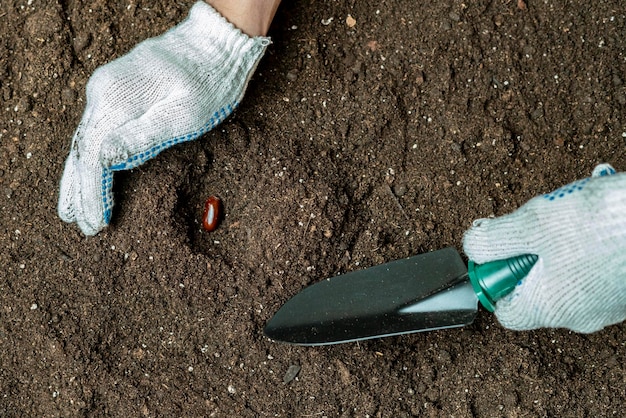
(280, 329)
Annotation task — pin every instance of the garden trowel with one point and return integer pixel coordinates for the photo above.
(425, 292)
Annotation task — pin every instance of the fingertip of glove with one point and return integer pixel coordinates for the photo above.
(88, 230)
(496, 238)
(91, 227)
(65, 207)
(65, 215)
(477, 229)
(602, 170)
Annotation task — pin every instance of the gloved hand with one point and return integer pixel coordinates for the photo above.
(579, 234)
(167, 90)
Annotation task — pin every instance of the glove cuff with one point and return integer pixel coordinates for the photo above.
(210, 28)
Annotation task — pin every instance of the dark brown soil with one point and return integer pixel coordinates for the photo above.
(353, 146)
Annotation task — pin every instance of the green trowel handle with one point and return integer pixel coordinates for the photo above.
(496, 279)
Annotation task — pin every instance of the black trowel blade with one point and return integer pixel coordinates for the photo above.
(424, 292)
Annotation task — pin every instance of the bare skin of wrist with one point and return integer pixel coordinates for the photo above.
(253, 17)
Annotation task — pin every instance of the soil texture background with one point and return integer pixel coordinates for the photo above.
(360, 140)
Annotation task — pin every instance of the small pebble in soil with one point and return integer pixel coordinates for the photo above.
(212, 212)
(291, 373)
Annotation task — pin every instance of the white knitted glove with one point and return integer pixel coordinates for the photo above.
(167, 90)
(579, 234)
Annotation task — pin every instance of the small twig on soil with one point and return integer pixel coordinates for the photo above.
(308, 222)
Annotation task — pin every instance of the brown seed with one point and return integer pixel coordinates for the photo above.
(212, 212)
